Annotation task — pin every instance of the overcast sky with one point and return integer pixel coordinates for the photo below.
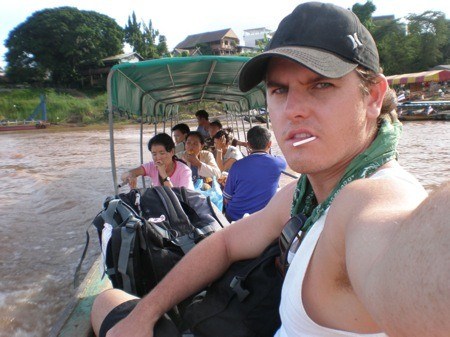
(176, 19)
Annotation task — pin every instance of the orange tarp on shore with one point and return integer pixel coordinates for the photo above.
(424, 76)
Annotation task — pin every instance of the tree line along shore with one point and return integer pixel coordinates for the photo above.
(70, 106)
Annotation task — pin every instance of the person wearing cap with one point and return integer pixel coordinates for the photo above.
(372, 256)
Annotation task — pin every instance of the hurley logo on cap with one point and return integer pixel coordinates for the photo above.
(355, 40)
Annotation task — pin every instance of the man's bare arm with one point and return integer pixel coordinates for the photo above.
(246, 238)
(397, 257)
(412, 278)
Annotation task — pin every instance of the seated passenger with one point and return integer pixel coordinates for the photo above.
(214, 127)
(253, 181)
(226, 155)
(180, 132)
(203, 123)
(165, 169)
(236, 142)
(201, 162)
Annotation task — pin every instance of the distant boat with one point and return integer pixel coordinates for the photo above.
(443, 116)
(424, 110)
(27, 125)
(416, 117)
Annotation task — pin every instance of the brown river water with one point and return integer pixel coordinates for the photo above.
(53, 183)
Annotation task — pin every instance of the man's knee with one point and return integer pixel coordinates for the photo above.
(104, 303)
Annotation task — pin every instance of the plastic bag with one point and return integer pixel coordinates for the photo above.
(214, 192)
(198, 184)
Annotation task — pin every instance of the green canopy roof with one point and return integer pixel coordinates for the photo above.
(157, 87)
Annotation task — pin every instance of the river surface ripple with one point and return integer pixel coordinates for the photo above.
(53, 183)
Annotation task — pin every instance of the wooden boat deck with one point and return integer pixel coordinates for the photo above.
(74, 321)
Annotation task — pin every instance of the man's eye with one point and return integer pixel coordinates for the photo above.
(323, 85)
(278, 90)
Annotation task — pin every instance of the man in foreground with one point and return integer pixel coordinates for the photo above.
(253, 180)
(376, 258)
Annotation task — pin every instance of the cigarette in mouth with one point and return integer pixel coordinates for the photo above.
(304, 141)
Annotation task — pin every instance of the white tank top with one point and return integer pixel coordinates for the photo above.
(295, 320)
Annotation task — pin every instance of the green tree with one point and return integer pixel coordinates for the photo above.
(421, 43)
(262, 43)
(133, 34)
(429, 35)
(143, 38)
(55, 43)
(149, 36)
(389, 35)
(364, 13)
(162, 47)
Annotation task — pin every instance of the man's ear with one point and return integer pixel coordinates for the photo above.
(269, 145)
(376, 97)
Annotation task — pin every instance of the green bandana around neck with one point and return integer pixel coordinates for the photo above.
(381, 151)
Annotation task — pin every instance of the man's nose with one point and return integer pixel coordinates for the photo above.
(297, 105)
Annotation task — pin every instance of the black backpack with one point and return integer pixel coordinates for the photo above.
(150, 231)
(243, 302)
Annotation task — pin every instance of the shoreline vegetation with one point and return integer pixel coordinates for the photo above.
(76, 108)
(70, 107)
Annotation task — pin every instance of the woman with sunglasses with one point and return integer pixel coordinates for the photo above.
(165, 169)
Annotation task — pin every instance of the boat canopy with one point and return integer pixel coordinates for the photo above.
(157, 88)
(424, 76)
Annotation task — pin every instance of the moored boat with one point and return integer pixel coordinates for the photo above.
(442, 116)
(19, 126)
(416, 117)
(424, 110)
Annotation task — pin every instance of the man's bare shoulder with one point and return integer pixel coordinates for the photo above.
(365, 216)
(389, 192)
(366, 206)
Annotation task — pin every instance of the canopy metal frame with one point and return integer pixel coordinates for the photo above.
(157, 88)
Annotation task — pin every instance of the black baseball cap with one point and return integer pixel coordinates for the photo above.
(325, 38)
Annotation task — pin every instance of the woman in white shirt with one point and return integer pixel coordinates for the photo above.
(226, 154)
(201, 162)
